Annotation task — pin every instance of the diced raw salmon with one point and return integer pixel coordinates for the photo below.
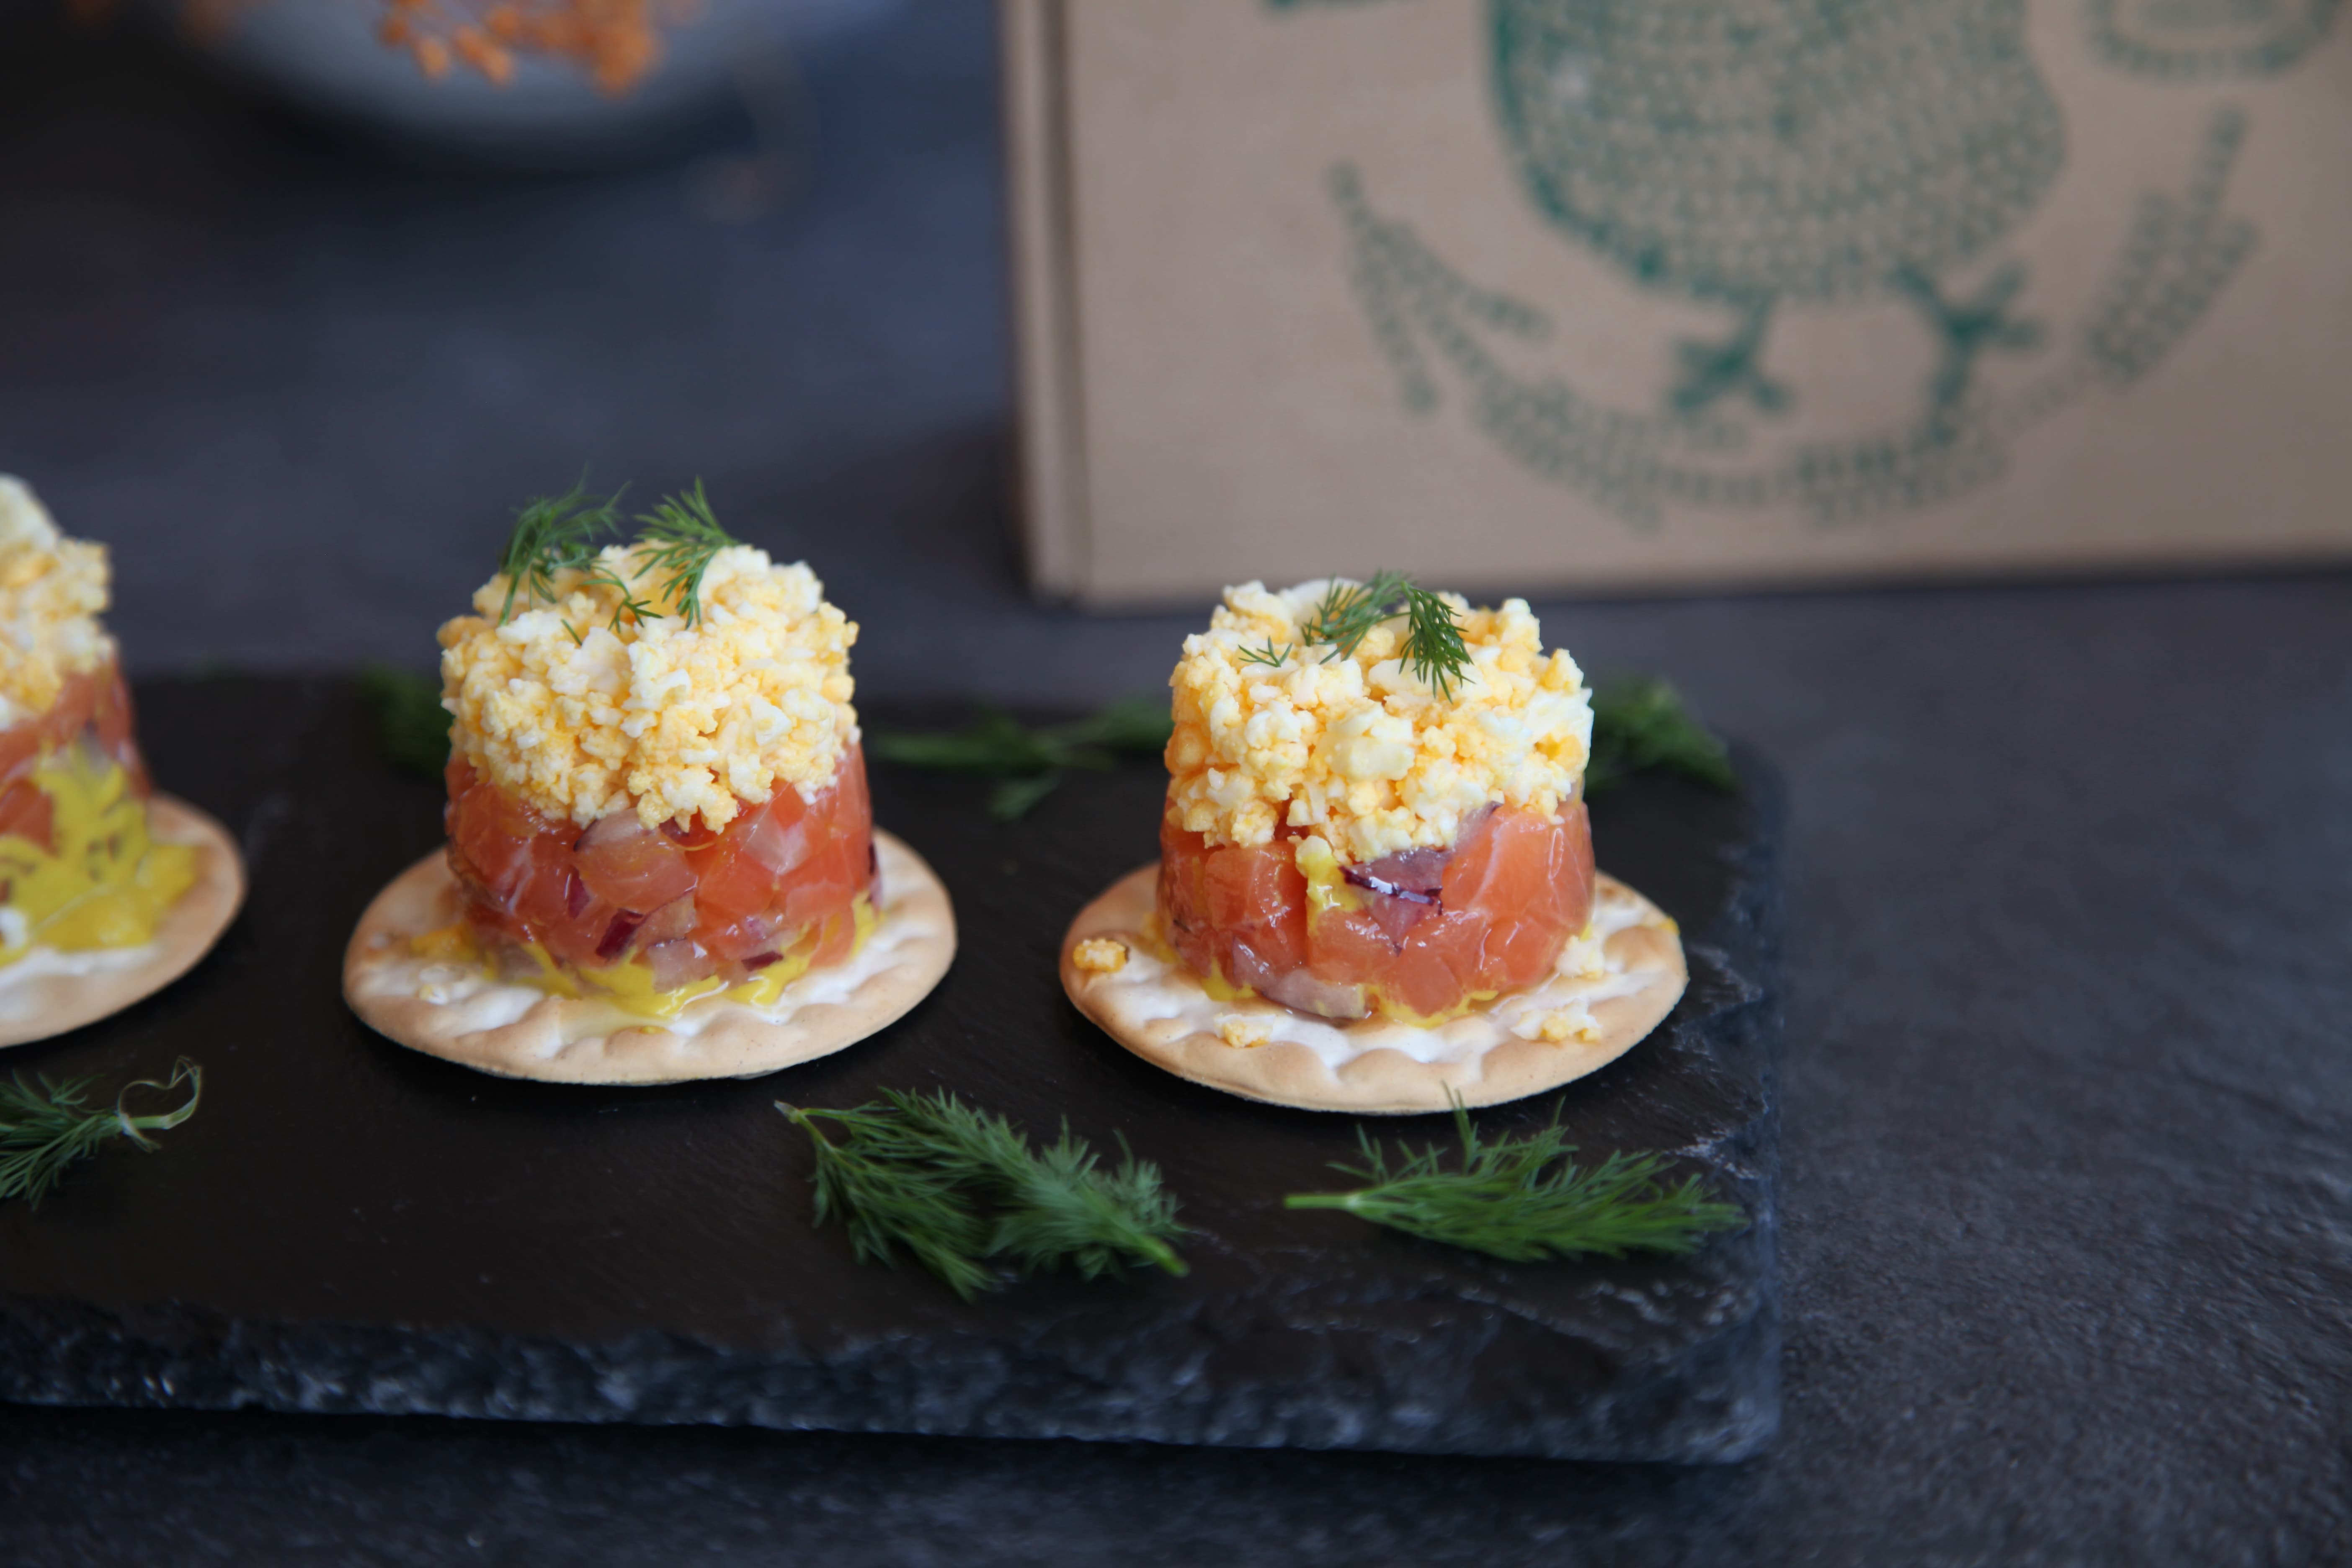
(1418, 935)
(784, 874)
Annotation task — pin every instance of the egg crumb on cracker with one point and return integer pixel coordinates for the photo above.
(1099, 955)
(51, 590)
(1567, 1024)
(1244, 1033)
(583, 711)
(1357, 745)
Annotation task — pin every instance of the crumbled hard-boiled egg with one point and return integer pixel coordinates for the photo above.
(1244, 1034)
(51, 590)
(1358, 747)
(584, 714)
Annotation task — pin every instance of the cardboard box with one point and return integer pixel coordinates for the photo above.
(1575, 294)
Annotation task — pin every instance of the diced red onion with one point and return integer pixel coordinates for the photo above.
(1415, 874)
(1297, 988)
(616, 935)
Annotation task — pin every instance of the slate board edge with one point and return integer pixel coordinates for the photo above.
(1723, 1401)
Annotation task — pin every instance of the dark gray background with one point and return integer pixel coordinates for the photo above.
(2067, 1180)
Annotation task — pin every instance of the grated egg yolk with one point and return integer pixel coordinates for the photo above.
(1356, 746)
(51, 590)
(583, 712)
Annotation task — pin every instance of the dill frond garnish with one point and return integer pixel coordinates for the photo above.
(1434, 649)
(552, 534)
(412, 728)
(1134, 723)
(1349, 611)
(877, 1184)
(1520, 1199)
(1270, 656)
(1012, 800)
(683, 536)
(44, 1130)
(1032, 762)
(601, 574)
(1639, 722)
(960, 1188)
(675, 543)
(995, 743)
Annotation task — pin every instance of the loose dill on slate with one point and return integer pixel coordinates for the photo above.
(44, 1130)
(412, 728)
(1522, 1200)
(962, 1192)
(1638, 723)
(1032, 762)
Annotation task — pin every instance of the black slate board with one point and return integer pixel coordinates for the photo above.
(348, 1226)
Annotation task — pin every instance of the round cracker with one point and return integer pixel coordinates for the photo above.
(48, 991)
(1612, 986)
(459, 1012)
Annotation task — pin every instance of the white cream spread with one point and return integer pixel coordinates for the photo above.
(1149, 992)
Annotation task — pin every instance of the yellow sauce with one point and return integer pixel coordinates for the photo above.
(106, 883)
(629, 984)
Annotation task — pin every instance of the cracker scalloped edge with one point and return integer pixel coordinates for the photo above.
(1613, 985)
(459, 1012)
(48, 992)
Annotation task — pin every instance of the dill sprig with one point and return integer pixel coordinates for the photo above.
(43, 1130)
(1639, 722)
(1032, 762)
(412, 728)
(1012, 799)
(1134, 723)
(1349, 611)
(959, 1188)
(552, 534)
(684, 536)
(994, 744)
(1520, 1199)
(1434, 649)
(604, 573)
(1271, 656)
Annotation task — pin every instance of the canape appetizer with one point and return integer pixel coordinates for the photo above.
(1376, 887)
(661, 861)
(107, 891)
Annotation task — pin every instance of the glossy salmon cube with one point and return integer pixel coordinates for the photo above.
(782, 876)
(1418, 935)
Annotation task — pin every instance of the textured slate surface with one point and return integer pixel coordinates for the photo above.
(349, 1226)
(2067, 1105)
